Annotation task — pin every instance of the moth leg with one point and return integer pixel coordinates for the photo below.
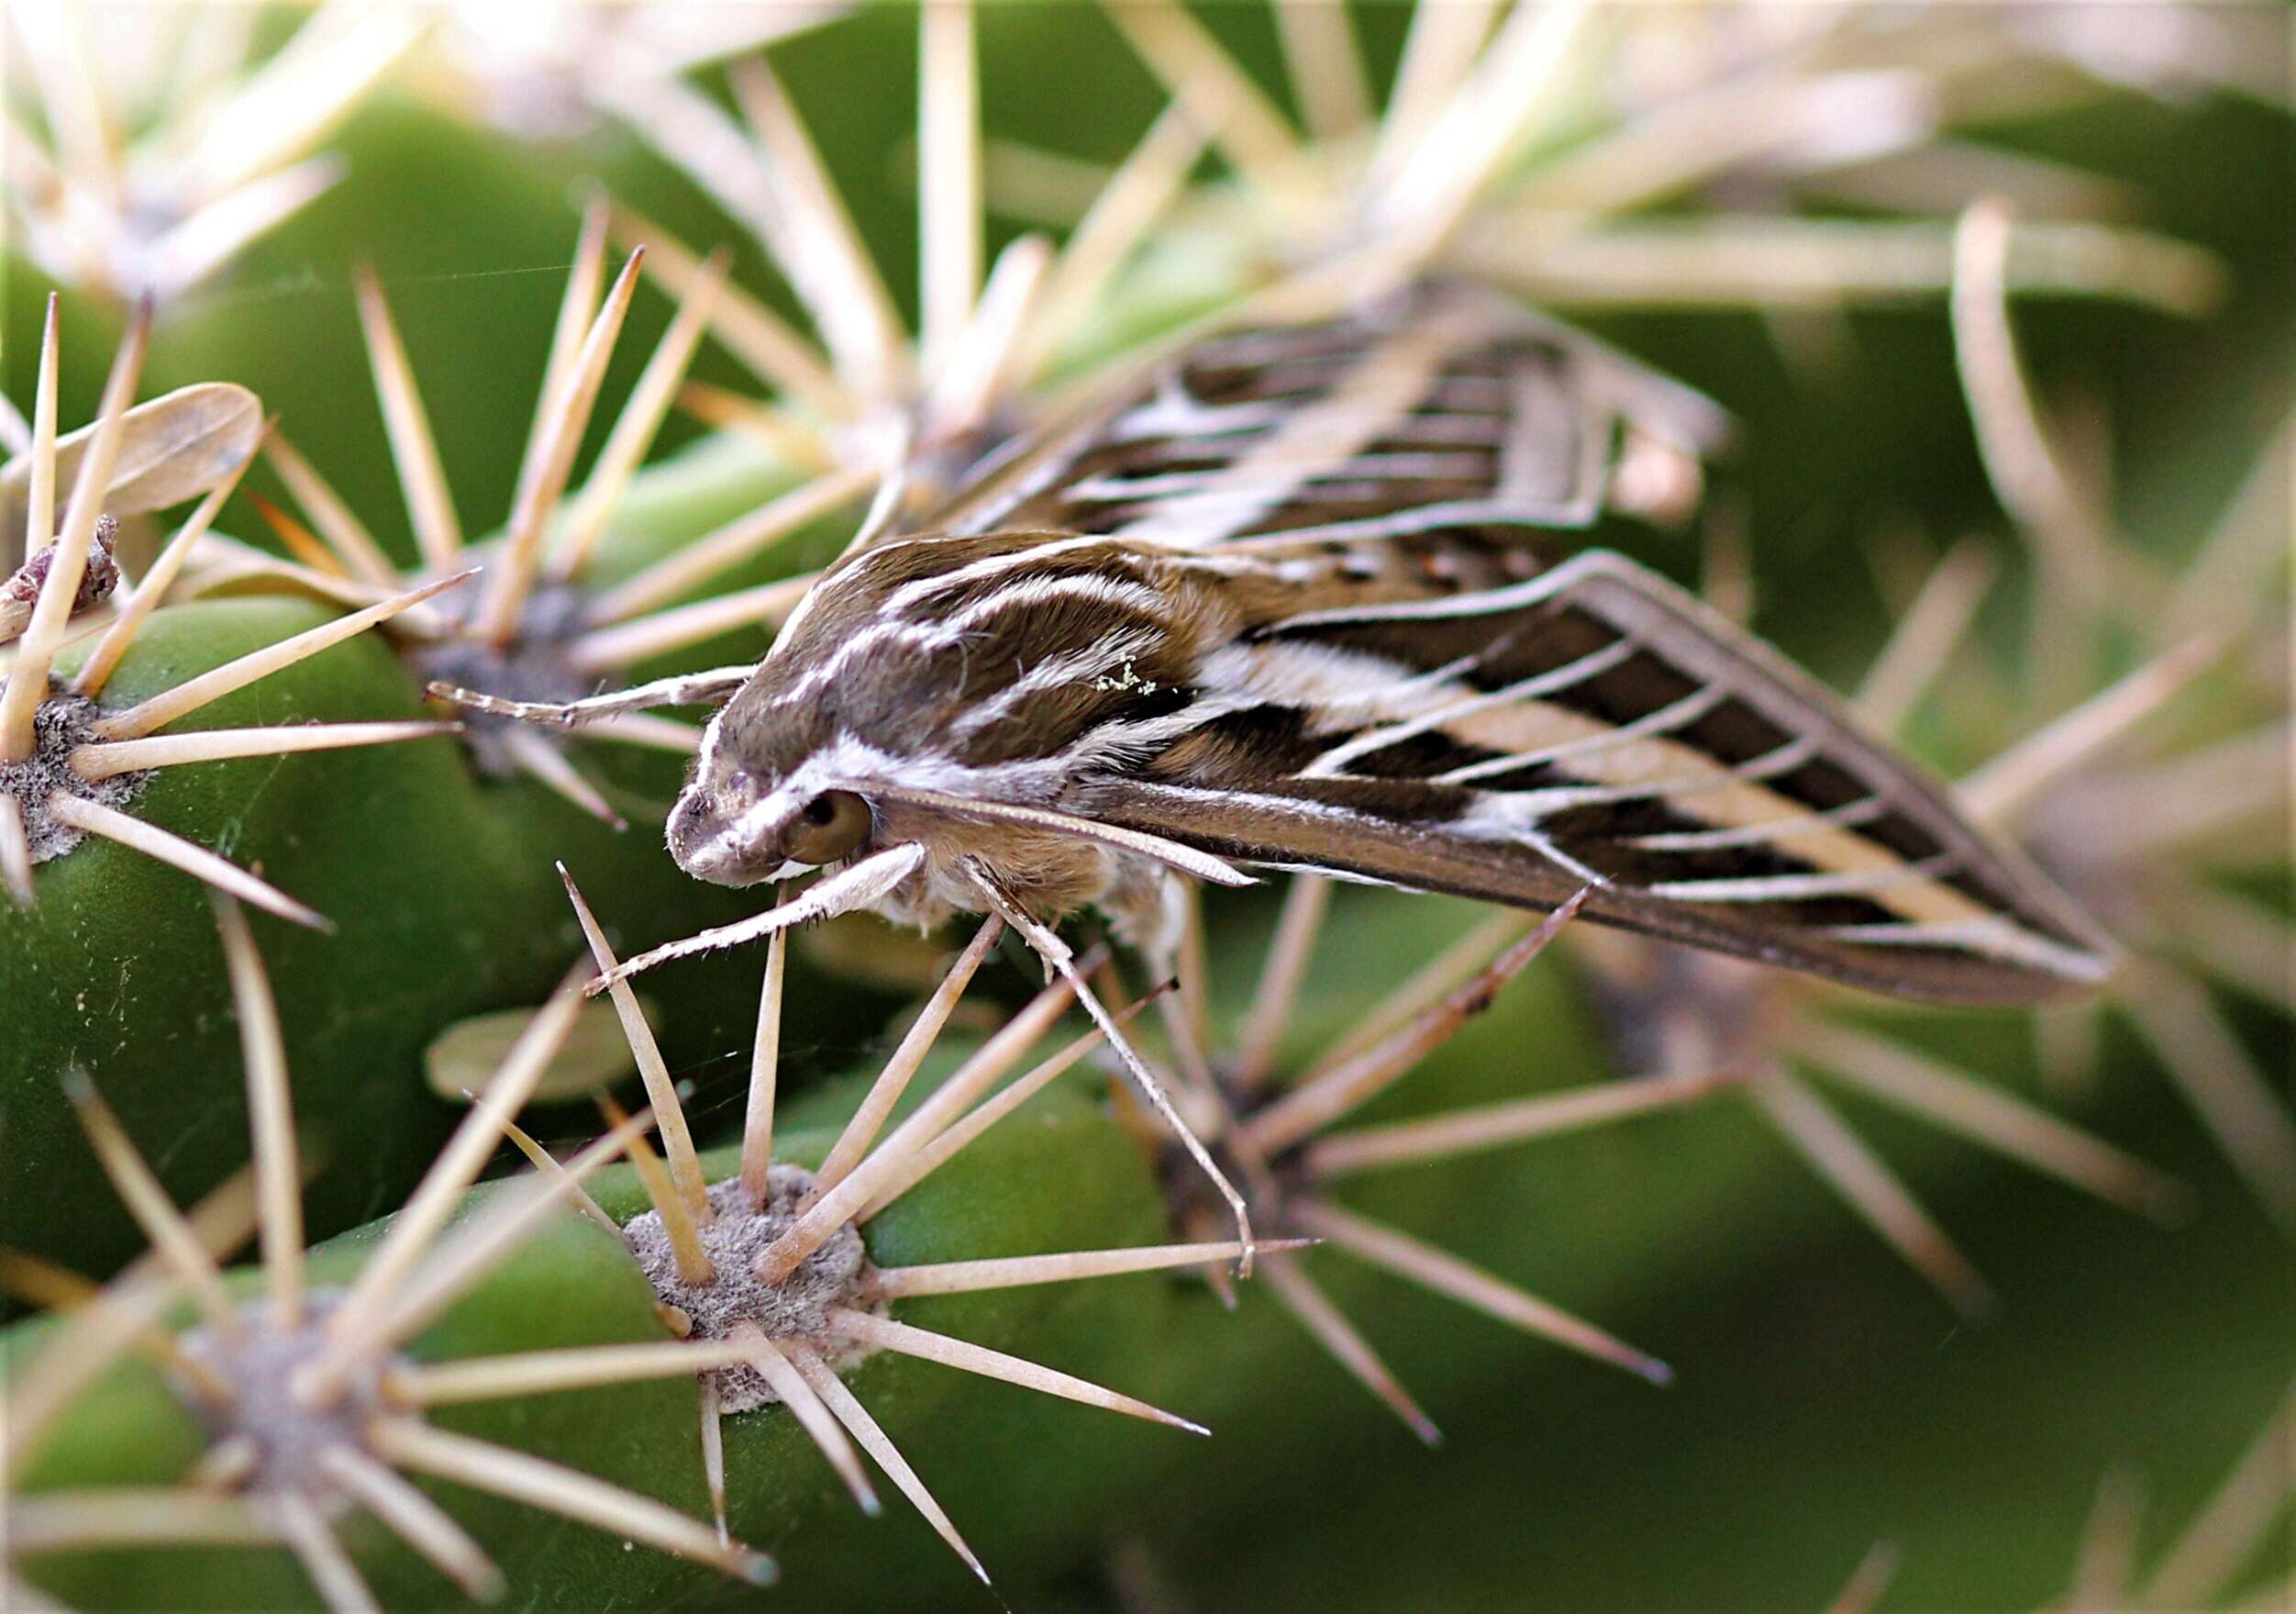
(684, 689)
(1058, 954)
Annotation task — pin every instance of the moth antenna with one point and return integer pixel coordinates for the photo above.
(1056, 952)
(679, 689)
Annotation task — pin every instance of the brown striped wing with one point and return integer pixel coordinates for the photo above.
(1447, 730)
(1443, 404)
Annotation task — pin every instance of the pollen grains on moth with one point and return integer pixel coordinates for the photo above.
(71, 764)
(309, 1395)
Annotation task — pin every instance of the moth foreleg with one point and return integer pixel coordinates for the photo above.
(683, 689)
(1059, 956)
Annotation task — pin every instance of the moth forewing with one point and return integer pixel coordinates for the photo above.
(1592, 724)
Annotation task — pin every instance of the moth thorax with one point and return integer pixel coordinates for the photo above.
(61, 725)
(737, 1300)
(532, 665)
(283, 1435)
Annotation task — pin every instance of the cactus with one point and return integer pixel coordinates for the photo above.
(386, 1419)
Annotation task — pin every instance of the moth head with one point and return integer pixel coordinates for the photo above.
(732, 829)
(760, 804)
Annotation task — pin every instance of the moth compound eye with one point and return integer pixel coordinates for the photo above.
(830, 825)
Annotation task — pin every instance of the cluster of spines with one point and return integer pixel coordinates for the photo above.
(122, 742)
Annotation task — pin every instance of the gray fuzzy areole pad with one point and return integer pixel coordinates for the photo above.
(63, 723)
(795, 1308)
